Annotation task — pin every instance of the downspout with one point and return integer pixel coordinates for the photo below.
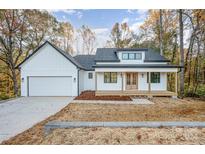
(78, 81)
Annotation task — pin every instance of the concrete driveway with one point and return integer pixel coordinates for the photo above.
(20, 114)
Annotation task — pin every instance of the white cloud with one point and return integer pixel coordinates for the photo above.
(142, 11)
(102, 35)
(131, 11)
(125, 20)
(79, 14)
(137, 11)
(135, 26)
(100, 30)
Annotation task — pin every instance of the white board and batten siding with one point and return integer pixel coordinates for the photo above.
(86, 83)
(142, 82)
(108, 86)
(48, 73)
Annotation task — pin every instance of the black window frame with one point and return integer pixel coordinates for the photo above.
(153, 75)
(110, 79)
(140, 56)
(90, 75)
(128, 56)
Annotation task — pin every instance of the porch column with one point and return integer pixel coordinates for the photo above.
(95, 81)
(149, 82)
(122, 75)
(176, 78)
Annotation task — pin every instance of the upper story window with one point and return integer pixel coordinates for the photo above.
(131, 56)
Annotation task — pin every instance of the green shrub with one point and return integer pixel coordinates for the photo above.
(201, 90)
(3, 97)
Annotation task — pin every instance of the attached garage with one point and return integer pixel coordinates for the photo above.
(49, 71)
(50, 86)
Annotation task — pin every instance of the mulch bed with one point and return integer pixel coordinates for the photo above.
(90, 95)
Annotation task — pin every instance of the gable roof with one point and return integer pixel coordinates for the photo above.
(109, 55)
(65, 54)
(87, 61)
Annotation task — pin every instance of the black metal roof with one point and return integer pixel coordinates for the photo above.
(87, 61)
(106, 55)
(109, 55)
(153, 56)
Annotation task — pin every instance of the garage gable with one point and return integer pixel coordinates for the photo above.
(47, 58)
(46, 52)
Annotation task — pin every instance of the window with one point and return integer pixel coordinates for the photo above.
(110, 77)
(90, 75)
(155, 77)
(125, 56)
(138, 56)
(132, 56)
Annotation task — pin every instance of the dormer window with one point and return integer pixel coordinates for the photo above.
(131, 56)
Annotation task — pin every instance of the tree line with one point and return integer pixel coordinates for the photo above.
(179, 35)
(22, 31)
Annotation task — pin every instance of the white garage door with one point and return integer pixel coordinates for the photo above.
(50, 86)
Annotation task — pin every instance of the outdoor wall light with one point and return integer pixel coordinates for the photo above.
(142, 75)
(74, 79)
(22, 79)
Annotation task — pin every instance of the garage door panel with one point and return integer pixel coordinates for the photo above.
(50, 86)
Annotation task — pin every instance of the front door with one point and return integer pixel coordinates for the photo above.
(131, 81)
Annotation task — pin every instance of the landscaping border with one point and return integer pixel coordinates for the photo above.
(150, 124)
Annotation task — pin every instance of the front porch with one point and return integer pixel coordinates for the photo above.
(135, 93)
(136, 83)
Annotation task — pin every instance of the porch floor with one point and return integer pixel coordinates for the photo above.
(135, 93)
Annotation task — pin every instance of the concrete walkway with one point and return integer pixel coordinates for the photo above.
(133, 102)
(20, 114)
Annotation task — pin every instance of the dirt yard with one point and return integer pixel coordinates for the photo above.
(163, 109)
(126, 136)
(90, 95)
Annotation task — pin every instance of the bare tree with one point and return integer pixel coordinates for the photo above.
(88, 38)
(181, 53)
(66, 37)
(161, 32)
(121, 36)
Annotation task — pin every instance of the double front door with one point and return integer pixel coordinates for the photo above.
(131, 81)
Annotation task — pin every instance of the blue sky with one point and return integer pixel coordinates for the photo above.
(101, 21)
(99, 18)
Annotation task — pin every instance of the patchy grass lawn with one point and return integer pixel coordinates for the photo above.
(164, 109)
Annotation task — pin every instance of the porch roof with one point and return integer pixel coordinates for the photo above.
(136, 66)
